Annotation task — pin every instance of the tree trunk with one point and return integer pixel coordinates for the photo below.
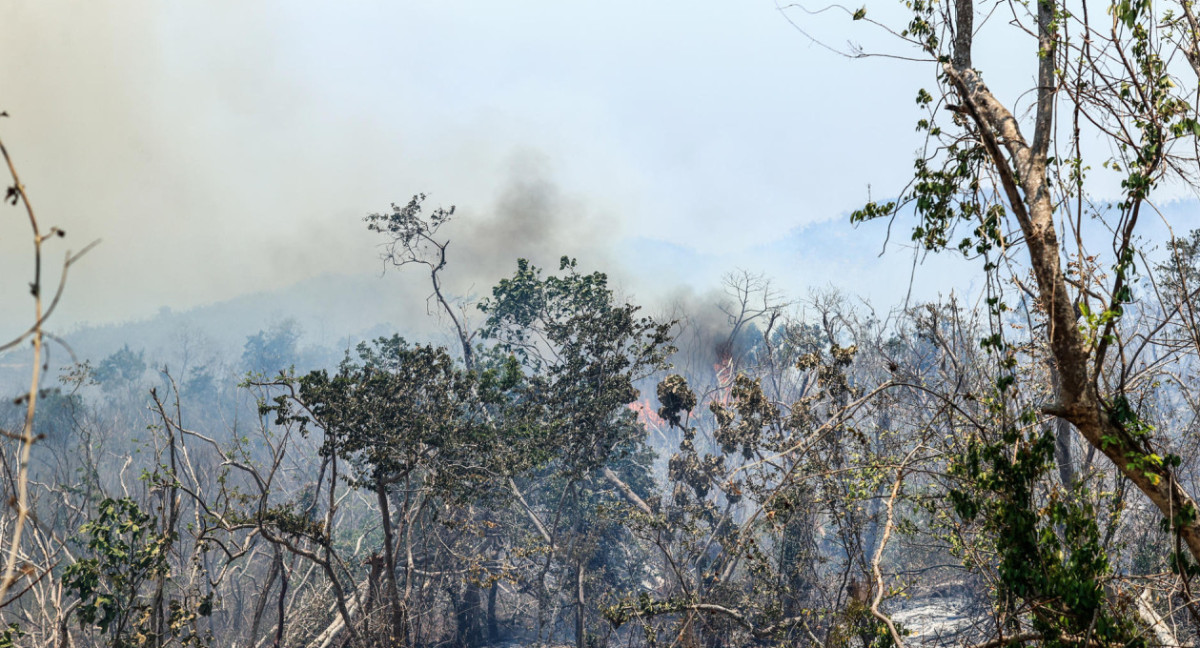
(283, 588)
(1026, 184)
(261, 606)
(1063, 431)
(472, 607)
(460, 621)
(493, 629)
(396, 631)
(580, 638)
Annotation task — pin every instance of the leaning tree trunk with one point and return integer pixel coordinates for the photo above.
(1026, 184)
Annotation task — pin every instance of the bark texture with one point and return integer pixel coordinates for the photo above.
(1022, 165)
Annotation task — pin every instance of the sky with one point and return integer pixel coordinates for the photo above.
(221, 149)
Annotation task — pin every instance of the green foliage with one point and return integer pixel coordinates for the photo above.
(642, 605)
(1051, 557)
(859, 627)
(123, 368)
(292, 520)
(677, 400)
(740, 424)
(942, 198)
(8, 638)
(583, 351)
(1132, 435)
(408, 229)
(400, 408)
(126, 552)
(124, 556)
(272, 350)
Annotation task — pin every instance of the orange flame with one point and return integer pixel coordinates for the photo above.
(724, 371)
(647, 416)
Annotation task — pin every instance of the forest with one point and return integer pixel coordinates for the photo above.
(566, 466)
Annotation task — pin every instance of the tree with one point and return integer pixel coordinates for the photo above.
(1022, 184)
(271, 350)
(17, 464)
(126, 554)
(584, 353)
(402, 414)
(412, 238)
(773, 504)
(122, 370)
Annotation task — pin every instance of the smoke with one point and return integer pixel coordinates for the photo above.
(213, 165)
(531, 217)
(702, 328)
(230, 150)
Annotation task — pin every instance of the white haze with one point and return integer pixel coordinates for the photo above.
(223, 149)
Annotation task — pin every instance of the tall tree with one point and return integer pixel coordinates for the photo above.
(584, 353)
(1015, 186)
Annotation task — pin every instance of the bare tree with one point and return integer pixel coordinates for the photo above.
(17, 476)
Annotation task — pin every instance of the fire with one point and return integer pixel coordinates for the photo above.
(723, 368)
(647, 415)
